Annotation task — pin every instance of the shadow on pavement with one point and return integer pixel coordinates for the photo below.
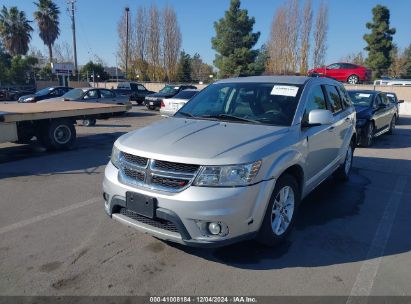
(91, 151)
(332, 227)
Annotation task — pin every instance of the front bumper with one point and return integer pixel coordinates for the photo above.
(241, 209)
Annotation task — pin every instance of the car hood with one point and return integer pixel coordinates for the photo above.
(363, 112)
(51, 100)
(203, 142)
(161, 95)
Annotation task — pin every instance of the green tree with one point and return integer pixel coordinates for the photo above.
(47, 17)
(15, 31)
(379, 41)
(21, 69)
(234, 41)
(184, 68)
(95, 69)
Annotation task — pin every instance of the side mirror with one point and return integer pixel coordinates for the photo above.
(401, 101)
(319, 117)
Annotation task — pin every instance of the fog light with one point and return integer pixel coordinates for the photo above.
(214, 228)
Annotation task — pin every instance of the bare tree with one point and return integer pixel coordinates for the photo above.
(306, 24)
(398, 67)
(171, 41)
(153, 42)
(354, 58)
(320, 35)
(293, 29)
(140, 47)
(277, 44)
(62, 52)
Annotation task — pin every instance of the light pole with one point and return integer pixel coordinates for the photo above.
(127, 11)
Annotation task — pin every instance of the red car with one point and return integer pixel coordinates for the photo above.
(345, 72)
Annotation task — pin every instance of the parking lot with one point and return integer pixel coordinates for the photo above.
(55, 239)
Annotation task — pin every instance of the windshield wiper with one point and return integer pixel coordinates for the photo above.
(230, 117)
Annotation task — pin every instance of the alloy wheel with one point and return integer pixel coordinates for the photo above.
(283, 210)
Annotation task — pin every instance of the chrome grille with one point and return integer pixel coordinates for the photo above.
(174, 167)
(135, 160)
(158, 223)
(134, 174)
(156, 174)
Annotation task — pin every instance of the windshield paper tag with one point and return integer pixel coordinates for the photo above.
(364, 95)
(284, 90)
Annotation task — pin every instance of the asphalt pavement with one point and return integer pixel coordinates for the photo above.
(350, 238)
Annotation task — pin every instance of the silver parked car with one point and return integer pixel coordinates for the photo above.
(172, 105)
(234, 162)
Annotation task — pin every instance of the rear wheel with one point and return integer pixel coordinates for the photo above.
(279, 218)
(353, 79)
(368, 137)
(343, 172)
(392, 125)
(58, 135)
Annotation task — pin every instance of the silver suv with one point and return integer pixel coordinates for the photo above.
(234, 162)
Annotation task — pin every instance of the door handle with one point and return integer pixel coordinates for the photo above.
(330, 129)
(347, 119)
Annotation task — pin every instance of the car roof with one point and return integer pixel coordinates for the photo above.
(191, 90)
(366, 91)
(299, 80)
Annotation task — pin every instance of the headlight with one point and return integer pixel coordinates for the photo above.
(361, 122)
(29, 99)
(228, 176)
(115, 157)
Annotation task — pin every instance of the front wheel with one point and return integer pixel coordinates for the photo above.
(368, 137)
(353, 79)
(88, 122)
(279, 218)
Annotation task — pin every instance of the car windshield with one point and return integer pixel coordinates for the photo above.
(258, 103)
(44, 91)
(73, 94)
(169, 90)
(361, 98)
(185, 94)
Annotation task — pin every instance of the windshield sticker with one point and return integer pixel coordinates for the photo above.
(175, 88)
(284, 90)
(390, 95)
(364, 95)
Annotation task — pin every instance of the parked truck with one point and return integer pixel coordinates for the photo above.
(51, 123)
(136, 91)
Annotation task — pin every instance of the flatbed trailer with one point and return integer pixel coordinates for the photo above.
(52, 123)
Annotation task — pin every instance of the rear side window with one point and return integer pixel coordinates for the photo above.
(141, 87)
(333, 98)
(106, 94)
(316, 101)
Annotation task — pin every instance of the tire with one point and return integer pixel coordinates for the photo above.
(89, 122)
(343, 172)
(152, 108)
(58, 135)
(366, 141)
(139, 102)
(353, 79)
(392, 125)
(277, 225)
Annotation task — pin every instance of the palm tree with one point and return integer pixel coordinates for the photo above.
(15, 30)
(47, 17)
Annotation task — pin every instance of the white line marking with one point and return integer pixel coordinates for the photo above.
(369, 268)
(48, 215)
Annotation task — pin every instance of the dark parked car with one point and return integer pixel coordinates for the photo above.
(394, 100)
(11, 94)
(153, 101)
(345, 72)
(376, 115)
(135, 91)
(46, 93)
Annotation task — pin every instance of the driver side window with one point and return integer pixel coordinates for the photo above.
(91, 94)
(316, 101)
